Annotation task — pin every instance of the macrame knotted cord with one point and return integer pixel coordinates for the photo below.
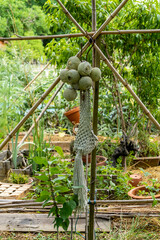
(85, 142)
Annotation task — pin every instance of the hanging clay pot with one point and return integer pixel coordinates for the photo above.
(135, 179)
(101, 161)
(73, 115)
(133, 193)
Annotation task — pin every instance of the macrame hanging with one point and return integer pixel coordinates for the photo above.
(80, 76)
(85, 142)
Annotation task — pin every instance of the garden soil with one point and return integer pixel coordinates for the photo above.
(154, 173)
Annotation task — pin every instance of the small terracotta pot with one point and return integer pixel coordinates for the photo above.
(101, 161)
(132, 193)
(73, 115)
(135, 179)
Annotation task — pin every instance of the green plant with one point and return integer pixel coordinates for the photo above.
(152, 189)
(15, 150)
(54, 175)
(119, 185)
(106, 148)
(17, 178)
(146, 147)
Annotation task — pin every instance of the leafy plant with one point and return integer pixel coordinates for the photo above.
(119, 186)
(54, 175)
(146, 146)
(15, 150)
(18, 178)
(152, 189)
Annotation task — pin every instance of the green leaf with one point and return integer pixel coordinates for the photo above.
(58, 222)
(40, 160)
(59, 151)
(44, 193)
(59, 179)
(65, 211)
(154, 199)
(52, 211)
(54, 170)
(72, 204)
(60, 199)
(112, 184)
(42, 198)
(61, 189)
(42, 177)
(65, 224)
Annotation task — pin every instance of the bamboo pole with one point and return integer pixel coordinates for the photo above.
(98, 32)
(30, 203)
(37, 75)
(44, 95)
(72, 19)
(12, 133)
(95, 63)
(132, 201)
(41, 114)
(146, 158)
(73, 35)
(146, 111)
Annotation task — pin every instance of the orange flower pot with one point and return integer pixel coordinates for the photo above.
(133, 193)
(135, 179)
(73, 115)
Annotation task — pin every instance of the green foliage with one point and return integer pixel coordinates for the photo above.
(18, 17)
(54, 175)
(18, 178)
(106, 148)
(151, 190)
(29, 51)
(13, 100)
(15, 150)
(146, 146)
(119, 186)
(135, 56)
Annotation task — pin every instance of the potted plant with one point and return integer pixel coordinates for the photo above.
(146, 191)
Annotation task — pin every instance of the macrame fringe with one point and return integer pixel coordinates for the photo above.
(80, 187)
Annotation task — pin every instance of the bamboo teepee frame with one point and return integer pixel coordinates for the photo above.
(92, 39)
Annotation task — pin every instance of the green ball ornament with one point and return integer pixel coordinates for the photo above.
(85, 83)
(72, 76)
(95, 74)
(70, 94)
(73, 63)
(75, 86)
(63, 75)
(84, 69)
